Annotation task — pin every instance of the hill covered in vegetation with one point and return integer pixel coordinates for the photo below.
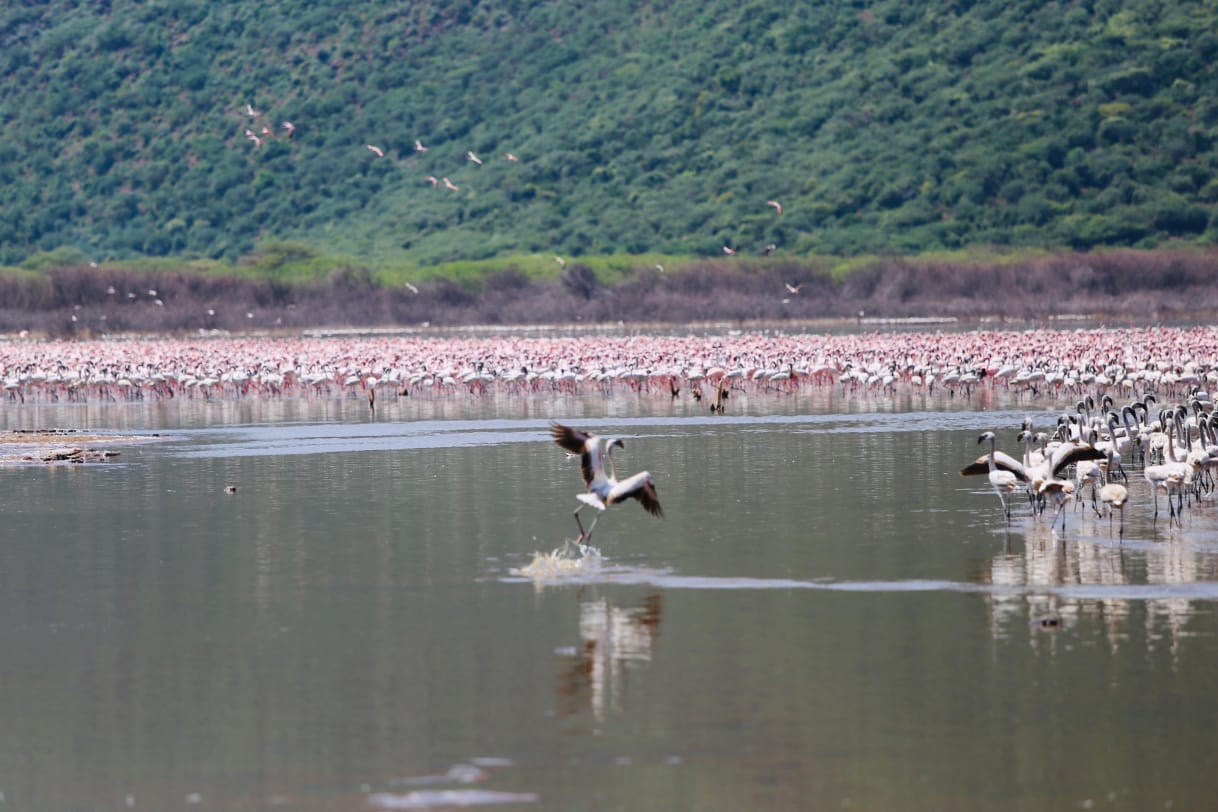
(196, 129)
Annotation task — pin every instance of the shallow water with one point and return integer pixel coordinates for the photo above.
(828, 616)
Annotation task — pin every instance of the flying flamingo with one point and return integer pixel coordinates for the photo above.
(249, 108)
(418, 146)
(380, 153)
(433, 180)
(470, 154)
(794, 289)
(510, 156)
(603, 490)
(777, 206)
(448, 184)
(727, 249)
(290, 127)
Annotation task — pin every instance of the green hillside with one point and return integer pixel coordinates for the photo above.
(887, 126)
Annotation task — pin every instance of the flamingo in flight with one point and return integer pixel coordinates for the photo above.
(380, 153)
(603, 489)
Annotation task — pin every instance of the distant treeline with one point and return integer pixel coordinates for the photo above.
(1127, 284)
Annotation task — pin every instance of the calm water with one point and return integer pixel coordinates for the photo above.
(828, 617)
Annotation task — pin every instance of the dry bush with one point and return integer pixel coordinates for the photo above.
(1128, 283)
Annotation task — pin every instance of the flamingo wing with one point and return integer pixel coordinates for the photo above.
(578, 442)
(641, 487)
(1065, 455)
(1002, 461)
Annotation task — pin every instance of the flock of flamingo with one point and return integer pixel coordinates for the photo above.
(265, 130)
(1128, 371)
(1033, 365)
(1086, 454)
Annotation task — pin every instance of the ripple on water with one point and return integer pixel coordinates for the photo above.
(428, 799)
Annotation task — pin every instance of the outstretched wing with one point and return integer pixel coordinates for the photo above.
(577, 442)
(1005, 462)
(638, 487)
(1074, 452)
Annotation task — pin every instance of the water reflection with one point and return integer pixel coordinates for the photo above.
(1037, 584)
(613, 641)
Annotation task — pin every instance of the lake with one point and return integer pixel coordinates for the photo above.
(827, 617)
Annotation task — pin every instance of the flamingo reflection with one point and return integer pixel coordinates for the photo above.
(613, 641)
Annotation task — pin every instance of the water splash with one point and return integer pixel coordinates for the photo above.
(572, 559)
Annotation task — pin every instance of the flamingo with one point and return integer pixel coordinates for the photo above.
(1001, 479)
(1059, 492)
(777, 206)
(727, 249)
(1167, 476)
(470, 154)
(380, 153)
(603, 490)
(510, 157)
(249, 108)
(290, 127)
(433, 180)
(793, 289)
(418, 146)
(1114, 495)
(448, 184)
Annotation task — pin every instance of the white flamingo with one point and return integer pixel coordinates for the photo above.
(1003, 481)
(603, 489)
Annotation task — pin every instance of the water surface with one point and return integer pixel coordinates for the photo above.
(828, 616)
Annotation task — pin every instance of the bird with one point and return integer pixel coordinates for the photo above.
(1001, 480)
(777, 206)
(230, 488)
(418, 146)
(412, 288)
(433, 180)
(1171, 477)
(794, 289)
(1059, 492)
(727, 249)
(562, 263)
(603, 489)
(249, 108)
(470, 154)
(510, 157)
(1114, 495)
(448, 184)
(380, 153)
(290, 127)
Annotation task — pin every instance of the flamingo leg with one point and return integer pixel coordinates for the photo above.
(584, 535)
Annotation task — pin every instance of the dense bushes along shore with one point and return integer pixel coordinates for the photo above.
(1142, 286)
